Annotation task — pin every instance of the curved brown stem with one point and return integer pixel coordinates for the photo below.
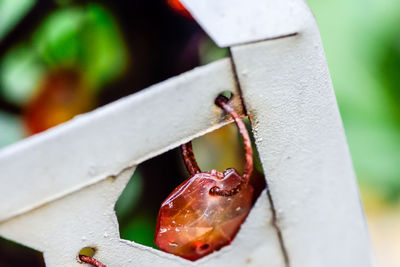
(222, 102)
(91, 261)
(248, 168)
(190, 160)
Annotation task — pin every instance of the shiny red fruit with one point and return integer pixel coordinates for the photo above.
(193, 223)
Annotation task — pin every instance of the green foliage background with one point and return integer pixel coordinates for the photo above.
(362, 45)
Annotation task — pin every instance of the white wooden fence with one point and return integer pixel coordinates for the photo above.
(311, 216)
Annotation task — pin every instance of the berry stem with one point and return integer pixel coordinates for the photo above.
(91, 261)
(190, 160)
(222, 102)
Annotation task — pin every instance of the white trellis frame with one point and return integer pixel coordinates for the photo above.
(311, 216)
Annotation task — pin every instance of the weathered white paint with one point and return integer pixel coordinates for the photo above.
(87, 219)
(103, 142)
(288, 94)
(233, 22)
(289, 97)
(66, 199)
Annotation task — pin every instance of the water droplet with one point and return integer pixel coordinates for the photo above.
(170, 204)
(172, 244)
(163, 230)
(92, 171)
(238, 208)
(177, 229)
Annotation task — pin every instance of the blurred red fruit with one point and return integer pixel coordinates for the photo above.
(178, 7)
(62, 94)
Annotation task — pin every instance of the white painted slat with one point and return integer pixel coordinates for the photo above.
(103, 142)
(288, 94)
(86, 218)
(233, 22)
(78, 199)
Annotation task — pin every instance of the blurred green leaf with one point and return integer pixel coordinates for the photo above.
(104, 52)
(20, 72)
(87, 37)
(80, 37)
(11, 129)
(141, 230)
(12, 11)
(58, 37)
(209, 51)
(129, 198)
(362, 51)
